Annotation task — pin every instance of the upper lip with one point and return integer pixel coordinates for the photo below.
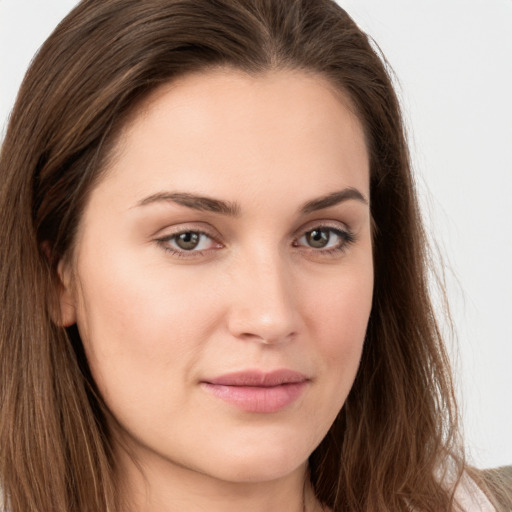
(258, 378)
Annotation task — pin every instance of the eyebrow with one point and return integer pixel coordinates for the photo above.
(232, 209)
(202, 203)
(333, 199)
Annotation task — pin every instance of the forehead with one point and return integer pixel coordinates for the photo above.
(224, 132)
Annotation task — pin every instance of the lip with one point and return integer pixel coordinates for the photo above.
(257, 391)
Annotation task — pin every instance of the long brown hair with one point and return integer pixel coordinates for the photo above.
(398, 427)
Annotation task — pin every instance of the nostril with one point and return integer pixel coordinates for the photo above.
(267, 339)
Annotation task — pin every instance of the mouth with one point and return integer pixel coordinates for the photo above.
(256, 391)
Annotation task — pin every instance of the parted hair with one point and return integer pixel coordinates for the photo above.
(398, 428)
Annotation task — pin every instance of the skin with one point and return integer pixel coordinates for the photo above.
(254, 294)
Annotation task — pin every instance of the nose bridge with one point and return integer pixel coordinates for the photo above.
(264, 306)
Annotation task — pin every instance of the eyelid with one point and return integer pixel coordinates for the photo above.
(341, 230)
(320, 223)
(164, 237)
(196, 227)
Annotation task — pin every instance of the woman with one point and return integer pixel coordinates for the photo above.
(214, 272)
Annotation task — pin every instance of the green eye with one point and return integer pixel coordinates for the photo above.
(325, 239)
(191, 242)
(318, 238)
(187, 241)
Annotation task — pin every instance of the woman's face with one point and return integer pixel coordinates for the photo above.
(222, 274)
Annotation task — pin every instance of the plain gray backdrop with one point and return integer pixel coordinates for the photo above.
(453, 62)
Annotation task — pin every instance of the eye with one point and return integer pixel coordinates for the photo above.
(188, 241)
(326, 239)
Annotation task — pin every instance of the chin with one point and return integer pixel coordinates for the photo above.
(260, 464)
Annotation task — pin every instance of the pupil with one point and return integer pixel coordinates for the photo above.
(188, 241)
(318, 238)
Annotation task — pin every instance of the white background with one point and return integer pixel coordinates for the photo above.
(453, 60)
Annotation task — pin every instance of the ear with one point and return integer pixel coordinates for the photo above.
(67, 308)
(63, 310)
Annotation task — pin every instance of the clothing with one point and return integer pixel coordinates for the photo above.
(470, 498)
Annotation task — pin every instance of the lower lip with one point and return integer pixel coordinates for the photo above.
(258, 399)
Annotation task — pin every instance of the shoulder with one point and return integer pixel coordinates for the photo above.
(485, 490)
(498, 484)
(470, 497)
(476, 490)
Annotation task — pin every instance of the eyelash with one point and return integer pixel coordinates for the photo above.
(346, 239)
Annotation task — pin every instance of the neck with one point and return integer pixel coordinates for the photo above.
(157, 485)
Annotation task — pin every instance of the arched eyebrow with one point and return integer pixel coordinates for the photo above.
(333, 199)
(196, 202)
(233, 209)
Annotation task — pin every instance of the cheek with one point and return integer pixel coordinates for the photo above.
(341, 308)
(124, 303)
(339, 316)
(140, 327)
(337, 319)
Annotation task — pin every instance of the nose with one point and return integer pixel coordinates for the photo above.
(264, 305)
